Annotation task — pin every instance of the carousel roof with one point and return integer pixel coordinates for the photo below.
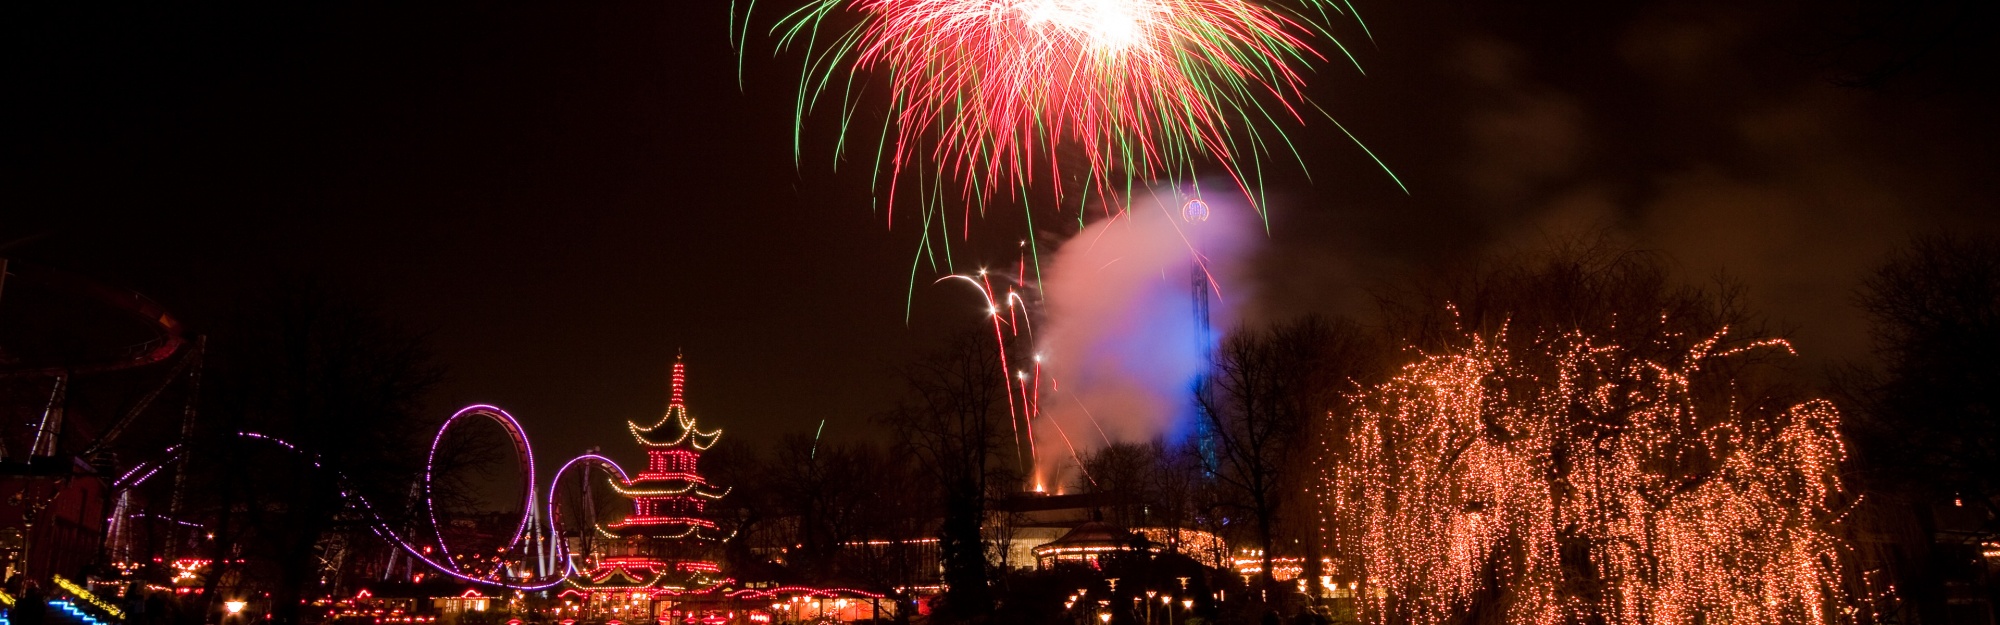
(1096, 535)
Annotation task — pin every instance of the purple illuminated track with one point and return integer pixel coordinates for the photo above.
(522, 451)
(531, 502)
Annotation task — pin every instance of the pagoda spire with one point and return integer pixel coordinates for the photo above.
(679, 382)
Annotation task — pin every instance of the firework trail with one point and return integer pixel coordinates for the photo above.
(1573, 480)
(1012, 313)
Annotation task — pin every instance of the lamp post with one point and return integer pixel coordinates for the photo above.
(1149, 605)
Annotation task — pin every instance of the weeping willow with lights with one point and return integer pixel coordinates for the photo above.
(1576, 483)
(1580, 440)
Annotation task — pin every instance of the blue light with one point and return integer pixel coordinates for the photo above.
(71, 608)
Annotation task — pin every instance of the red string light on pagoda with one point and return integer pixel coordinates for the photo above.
(668, 500)
(679, 384)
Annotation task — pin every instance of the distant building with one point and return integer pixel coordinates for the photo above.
(54, 516)
(1036, 520)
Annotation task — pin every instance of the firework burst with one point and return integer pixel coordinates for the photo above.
(1002, 95)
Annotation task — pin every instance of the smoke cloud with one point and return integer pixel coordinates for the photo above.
(1121, 342)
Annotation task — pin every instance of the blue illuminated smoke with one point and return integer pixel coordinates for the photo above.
(1120, 337)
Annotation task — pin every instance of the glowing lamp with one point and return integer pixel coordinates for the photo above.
(234, 607)
(1187, 604)
(1103, 617)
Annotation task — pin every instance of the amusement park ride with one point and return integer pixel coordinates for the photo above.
(659, 560)
(60, 334)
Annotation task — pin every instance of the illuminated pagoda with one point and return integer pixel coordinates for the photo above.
(666, 547)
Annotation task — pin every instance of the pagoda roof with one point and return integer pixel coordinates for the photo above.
(679, 530)
(692, 485)
(674, 429)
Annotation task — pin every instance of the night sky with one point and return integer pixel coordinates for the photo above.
(564, 196)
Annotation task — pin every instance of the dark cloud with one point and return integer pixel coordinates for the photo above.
(1713, 132)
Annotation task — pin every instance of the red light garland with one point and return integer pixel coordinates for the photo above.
(668, 499)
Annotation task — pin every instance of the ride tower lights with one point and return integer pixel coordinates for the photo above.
(1195, 211)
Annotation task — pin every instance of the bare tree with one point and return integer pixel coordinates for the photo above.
(1267, 388)
(901, 504)
(310, 366)
(1929, 425)
(1121, 471)
(953, 419)
(1157, 485)
(827, 488)
(1936, 308)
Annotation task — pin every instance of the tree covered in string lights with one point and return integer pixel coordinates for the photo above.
(667, 543)
(1581, 440)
